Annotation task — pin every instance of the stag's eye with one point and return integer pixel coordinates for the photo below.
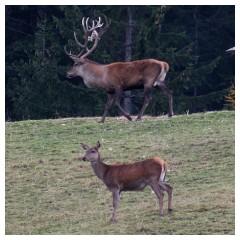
(77, 64)
(92, 151)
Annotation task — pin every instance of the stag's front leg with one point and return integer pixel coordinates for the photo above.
(107, 106)
(118, 95)
(147, 99)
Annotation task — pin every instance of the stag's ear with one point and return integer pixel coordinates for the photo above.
(98, 145)
(75, 59)
(84, 146)
(78, 60)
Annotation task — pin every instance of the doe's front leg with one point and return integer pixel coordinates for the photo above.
(116, 197)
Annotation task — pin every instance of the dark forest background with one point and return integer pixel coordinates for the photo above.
(192, 39)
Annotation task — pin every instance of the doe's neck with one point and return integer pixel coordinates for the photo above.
(99, 168)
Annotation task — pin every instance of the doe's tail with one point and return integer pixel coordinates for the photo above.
(163, 172)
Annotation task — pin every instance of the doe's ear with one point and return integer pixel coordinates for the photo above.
(84, 146)
(98, 145)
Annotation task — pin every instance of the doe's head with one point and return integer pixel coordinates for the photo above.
(91, 154)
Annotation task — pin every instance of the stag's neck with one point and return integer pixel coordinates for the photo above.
(92, 74)
(99, 168)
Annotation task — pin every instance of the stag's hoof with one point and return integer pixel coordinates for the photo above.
(101, 121)
(170, 114)
(138, 119)
(170, 210)
(128, 117)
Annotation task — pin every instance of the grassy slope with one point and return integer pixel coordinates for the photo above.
(48, 191)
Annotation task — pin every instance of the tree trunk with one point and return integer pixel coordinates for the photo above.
(127, 101)
(195, 90)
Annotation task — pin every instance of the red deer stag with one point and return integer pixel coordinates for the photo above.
(130, 176)
(117, 77)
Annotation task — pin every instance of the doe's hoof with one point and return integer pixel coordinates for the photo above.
(112, 220)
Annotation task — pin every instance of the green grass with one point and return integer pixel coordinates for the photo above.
(49, 191)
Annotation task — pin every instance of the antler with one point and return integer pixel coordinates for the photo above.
(90, 34)
(103, 30)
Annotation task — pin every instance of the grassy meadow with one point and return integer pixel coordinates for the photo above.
(49, 191)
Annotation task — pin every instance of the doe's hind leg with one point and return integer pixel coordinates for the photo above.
(165, 187)
(160, 195)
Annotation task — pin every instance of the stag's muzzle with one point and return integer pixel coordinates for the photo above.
(69, 75)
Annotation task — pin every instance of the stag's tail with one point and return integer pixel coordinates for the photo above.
(161, 77)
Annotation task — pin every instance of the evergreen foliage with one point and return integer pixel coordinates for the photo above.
(230, 98)
(187, 37)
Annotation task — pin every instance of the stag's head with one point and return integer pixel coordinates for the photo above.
(92, 35)
(91, 154)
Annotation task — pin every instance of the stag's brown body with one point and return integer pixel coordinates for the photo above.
(117, 77)
(120, 75)
(130, 177)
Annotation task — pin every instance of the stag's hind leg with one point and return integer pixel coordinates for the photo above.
(168, 93)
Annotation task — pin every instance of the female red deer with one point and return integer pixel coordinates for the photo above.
(117, 77)
(130, 176)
